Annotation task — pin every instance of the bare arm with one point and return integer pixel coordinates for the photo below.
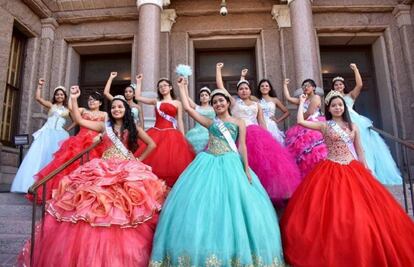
(358, 146)
(314, 104)
(92, 125)
(138, 93)
(141, 116)
(243, 74)
(219, 81)
(148, 141)
(283, 108)
(206, 122)
(320, 126)
(243, 148)
(107, 88)
(260, 117)
(38, 95)
(286, 93)
(358, 80)
(180, 117)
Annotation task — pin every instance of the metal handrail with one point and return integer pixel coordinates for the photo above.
(42, 183)
(404, 145)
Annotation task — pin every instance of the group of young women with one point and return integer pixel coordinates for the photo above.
(218, 186)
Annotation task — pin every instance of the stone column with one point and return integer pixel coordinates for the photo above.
(148, 52)
(304, 41)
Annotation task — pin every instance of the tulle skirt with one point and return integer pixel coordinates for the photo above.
(172, 155)
(377, 153)
(45, 143)
(273, 164)
(103, 214)
(213, 216)
(307, 146)
(198, 138)
(68, 149)
(341, 216)
(274, 130)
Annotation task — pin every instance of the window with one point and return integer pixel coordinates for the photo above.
(11, 103)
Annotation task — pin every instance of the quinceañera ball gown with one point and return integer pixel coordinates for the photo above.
(213, 216)
(69, 149)
(305, 144)
(269, 112)
(46, 142)
(342, 216)
(272, 162)
(377, 153)
(173, 153)
(103, 214)
(198, 136)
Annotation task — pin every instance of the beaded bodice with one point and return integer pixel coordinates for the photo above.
(111, 151)
(269, 108)
(217, 143)
(56, 117)
(246, 112)
(338, 150)
(206, 112)
(135, 114)
(316, 114)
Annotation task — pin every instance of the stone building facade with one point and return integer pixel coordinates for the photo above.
(80, 41)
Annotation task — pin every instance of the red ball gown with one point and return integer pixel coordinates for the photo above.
(69, 149)
(173, 153)
(103, 214)
(342, 216)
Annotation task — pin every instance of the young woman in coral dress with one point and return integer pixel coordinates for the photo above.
(272, 162)
(173, 153)
(306, 145)
(341, 215)
(377, 153)
(46, 140)
(218, 213)
(74, 145)
(104, 213)
(198, 136)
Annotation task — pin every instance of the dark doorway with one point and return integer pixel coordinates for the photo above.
(234, 61)
(335, 62)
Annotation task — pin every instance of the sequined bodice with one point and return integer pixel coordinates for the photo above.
(162, 123)
(269, 108)
(90, 116)
(135, 114)
(217, 143)
(338, 150)
(56, 117)
(316, 114)
(111, 151)
(206, 112)
(246, 112)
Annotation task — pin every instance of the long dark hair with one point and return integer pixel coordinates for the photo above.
(133, 93)
(345, 115)
(65, 102)
(272, 92)
(160, 96)
(226, 97)
(343, 82)
(97, 96)
(127, 124)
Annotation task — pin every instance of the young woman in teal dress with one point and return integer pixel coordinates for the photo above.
(377, 153)
(218, 213)
(198, 136)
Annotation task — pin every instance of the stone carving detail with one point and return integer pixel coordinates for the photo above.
(168, 17)
(402, 14)
(281, 14)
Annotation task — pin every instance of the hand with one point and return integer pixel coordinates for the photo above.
(139, 78)
(220, 65)
(302, 98)
(41, 81)
(249, 176)
(353, 66)
(97, 138)
(113, 75)
(74, 91)
(181, 81)
(286, 82)
(244, 72)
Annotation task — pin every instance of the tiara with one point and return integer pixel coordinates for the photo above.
(205, 88)
(220, 91)
(96, 92)
(133, 86)
(331, 94)
(120, 97)
(243, 81)
(338, 78)
(60, 87)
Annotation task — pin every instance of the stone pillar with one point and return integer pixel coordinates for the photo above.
(304, 41)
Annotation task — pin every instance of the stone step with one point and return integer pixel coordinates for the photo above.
(8, 260)
(15, 226)
(12, 243)
(23, 212)
(14, 199)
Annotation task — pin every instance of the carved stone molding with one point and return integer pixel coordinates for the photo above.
(281, 14)
(49, 26)
(290, 1)
(402, 15)
(168, 17)
(159, 3)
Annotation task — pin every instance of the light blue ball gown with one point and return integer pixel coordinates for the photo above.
(46, 142)
(198, 136)
(377, 153)
(213, 216)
